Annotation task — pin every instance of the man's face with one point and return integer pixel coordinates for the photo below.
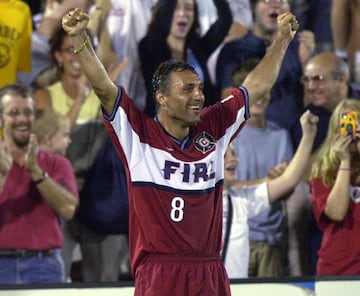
(266, 13)
(185, 98)
(321, 87)
(17, 119)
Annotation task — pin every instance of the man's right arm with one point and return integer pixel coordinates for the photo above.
(75, 23)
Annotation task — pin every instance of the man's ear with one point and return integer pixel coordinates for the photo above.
(160, 98)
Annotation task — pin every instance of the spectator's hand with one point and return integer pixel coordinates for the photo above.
(277, 170)
(31, 163)
(288, 24)
(5, 160)
(75, 22)
(308, 123)
(104, 5)
(341, 146)
(307, 46)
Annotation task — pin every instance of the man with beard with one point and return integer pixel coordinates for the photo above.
(37, 190)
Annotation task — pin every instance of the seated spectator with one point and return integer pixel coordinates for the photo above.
(38, 189)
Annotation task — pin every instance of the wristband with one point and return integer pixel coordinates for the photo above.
(344, 169)
(43, 177)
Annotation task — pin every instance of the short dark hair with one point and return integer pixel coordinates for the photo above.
(15, 89)
(160, 80)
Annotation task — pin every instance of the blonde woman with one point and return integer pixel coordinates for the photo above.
(335, 183)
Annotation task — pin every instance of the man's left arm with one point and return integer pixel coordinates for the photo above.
(260, 80)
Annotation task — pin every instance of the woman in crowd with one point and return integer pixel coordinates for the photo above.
(173, 33)
(336, 194)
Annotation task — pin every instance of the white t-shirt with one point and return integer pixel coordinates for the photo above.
(246, 202)
(240, 10)
(241, 13)
(127, 24)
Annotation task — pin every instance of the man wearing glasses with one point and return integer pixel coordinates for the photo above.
(37, 190)
(326, 83)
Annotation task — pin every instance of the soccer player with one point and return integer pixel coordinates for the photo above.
(175, 163)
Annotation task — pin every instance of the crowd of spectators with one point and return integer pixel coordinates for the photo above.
(223, 40)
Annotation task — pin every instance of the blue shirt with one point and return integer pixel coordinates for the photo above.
(287, 94)
(259, 150)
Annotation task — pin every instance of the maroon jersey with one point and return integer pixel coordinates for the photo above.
(175, 192)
